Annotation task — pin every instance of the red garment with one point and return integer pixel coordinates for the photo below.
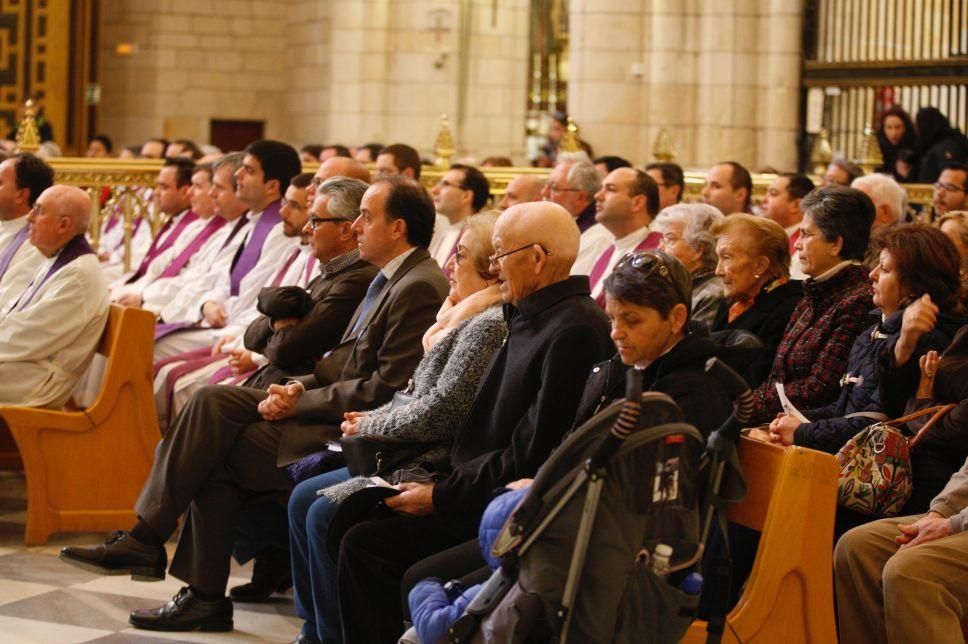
(813, 354)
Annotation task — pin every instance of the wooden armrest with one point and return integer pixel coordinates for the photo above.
(30, 417)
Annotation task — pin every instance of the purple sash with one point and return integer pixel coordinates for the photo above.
(310, 265)
(175, 266)
(156, 249)
(250, 254)
(76, 247)
(163, 329)
(7, 255)
(277, 280)
(181, 357)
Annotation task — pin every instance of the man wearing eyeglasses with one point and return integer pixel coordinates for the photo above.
(460, 193)
(572, 185)
(950, 190)
(50, 329)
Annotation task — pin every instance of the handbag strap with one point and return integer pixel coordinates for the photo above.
(939, 411)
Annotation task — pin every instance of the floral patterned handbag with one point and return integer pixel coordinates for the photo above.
(875, 465)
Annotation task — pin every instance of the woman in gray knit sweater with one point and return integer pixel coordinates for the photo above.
(470, 328)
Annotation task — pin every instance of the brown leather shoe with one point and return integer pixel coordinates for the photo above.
(186, 612)
(120, 554)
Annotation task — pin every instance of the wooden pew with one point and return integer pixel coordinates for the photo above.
(84, 468)
(789, 596)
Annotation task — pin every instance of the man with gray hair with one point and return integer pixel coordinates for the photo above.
(572, 185)
(48, 334)
(890, 199)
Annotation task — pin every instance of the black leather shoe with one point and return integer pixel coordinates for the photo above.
(121, 554)
(270, 574)
(303, 639)
(186, 612)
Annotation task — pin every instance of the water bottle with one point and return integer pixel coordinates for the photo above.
(660, 560)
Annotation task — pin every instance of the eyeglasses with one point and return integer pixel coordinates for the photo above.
(40, 212)
(443, 183)
(947, 187)
(647, 263)
(315, 221)
(494, 259)
(288, 203)
(316, 182)
(554, 187)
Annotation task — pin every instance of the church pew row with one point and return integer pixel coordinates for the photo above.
(789, 596)
(84, 468)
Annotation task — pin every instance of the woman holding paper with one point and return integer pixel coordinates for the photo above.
(812, 356)
(918, 268)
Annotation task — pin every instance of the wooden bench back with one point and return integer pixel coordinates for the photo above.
(791, 500)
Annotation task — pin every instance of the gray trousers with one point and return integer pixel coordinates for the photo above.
(217, 454)
(916, 595)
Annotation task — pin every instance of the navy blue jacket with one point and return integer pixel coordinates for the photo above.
(830, 429)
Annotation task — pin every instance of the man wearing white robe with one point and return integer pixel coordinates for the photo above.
(219, 311)
(49, 332)
(22, 179)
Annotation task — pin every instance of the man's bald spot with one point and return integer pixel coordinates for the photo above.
(527, 186)
(73, 203)
(545, 223)
(343, 167)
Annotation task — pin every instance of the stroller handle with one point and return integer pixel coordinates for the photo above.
(627, 419)
(737, 387)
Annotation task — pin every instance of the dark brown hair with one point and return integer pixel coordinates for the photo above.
(926, 261)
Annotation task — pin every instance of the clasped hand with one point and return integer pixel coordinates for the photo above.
(415, 499)
(783, 428)
(281, 402)
(928, 528)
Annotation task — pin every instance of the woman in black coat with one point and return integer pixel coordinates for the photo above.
(896, 133)
(940, 144)
(754, 264)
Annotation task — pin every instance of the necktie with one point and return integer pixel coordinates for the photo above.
(372, 292)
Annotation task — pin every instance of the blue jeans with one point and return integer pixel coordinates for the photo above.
(313, 571)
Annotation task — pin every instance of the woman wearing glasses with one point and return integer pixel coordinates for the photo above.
(470, 328)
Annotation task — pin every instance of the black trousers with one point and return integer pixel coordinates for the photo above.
(374, 555)
(463, 563)
(217, 455)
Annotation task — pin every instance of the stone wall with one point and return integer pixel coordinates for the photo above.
(722, 75)
(349, 71)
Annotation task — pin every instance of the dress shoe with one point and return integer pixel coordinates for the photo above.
(304, 639)
(121, 554)
(186, 612)
(270, 574)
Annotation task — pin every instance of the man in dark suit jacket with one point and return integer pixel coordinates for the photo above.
(229, 443)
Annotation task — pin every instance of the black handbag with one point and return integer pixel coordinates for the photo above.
(374, 455)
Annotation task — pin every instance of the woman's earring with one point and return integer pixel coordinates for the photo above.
(757, 276)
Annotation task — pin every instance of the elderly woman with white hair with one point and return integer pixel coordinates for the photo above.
(686, 235)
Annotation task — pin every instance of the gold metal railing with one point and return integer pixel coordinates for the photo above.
(127, 183)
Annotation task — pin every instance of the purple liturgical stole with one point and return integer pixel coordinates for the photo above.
(250, 254)
(76, 247)
(175, 266)
(7, 255)
(156, 249)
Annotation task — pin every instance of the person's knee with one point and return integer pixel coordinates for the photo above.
(317, 519)
(300, 501)
(901, 568)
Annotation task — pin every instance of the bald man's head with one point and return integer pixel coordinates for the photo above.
(60, 214)
(343, 167)
(539, 242)
(523, 188)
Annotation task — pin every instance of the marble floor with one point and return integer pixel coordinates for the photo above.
(45, 600)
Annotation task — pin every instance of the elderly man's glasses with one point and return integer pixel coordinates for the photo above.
(495, 259)
(314, 221)
(554, 187)
(948, 187)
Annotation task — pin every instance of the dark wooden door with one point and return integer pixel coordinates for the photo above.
(232, 136)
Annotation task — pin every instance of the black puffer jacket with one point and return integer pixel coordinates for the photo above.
(680, 374)
(830, 429)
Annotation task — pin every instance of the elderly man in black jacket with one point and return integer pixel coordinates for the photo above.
(525, 404)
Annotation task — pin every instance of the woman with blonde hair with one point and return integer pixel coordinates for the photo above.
(754, 266)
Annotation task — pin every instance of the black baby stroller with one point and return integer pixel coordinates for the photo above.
(585, 555)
